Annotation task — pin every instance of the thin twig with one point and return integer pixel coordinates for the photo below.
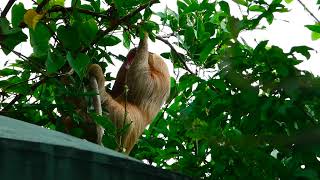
(181, 59)
(7, 8)
(17, 83)
(305, 7)
(19, 96)
(126, 89)
(23, 57)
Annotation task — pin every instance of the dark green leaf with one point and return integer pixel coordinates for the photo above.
(149, 26)
(17, 14)
(314, 28)
(126, 39)
(69, 37)
(147, 14)
(109, 40)
(269, 18)
(79, 63)
(166, 55)
(106, 123)
(219, 84)
(96, 5)
(224, 7)
(282, 70)
(87, 31)
(109, 141)
(77, 132)
(207, 50)
(54, 61)
(10, 38)
(304, 50)
(8, 72)
(39, 39)
(257, 8)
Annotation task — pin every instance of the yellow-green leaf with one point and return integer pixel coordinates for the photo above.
(31, 18)
(315, 36)
(56, 3)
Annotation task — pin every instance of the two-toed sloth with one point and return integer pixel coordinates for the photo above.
(147, 78)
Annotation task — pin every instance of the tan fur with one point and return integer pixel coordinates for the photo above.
(148, 81)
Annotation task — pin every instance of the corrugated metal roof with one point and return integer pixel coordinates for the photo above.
(31, 152)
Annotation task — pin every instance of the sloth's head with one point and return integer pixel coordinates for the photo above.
(130, 58)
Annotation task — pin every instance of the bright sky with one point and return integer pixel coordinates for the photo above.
(289, 30)
(286, 31)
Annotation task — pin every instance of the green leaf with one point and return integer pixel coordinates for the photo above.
(77, 132)
(219, 84)
(126, 39)
(224, 7)
(87, 31)
(69, 37)
(8, 72)
(106, 123)
(54, 61)
(304, 50)
(11, 41)
(79, 64)
(15, 84)
(190, 33)
(242, 2)
(288, 1)
(147, 14)
(207, 50)
(17, 14)
(277, 2)
(257, 8)
(4, 25)
(75, 3)
(109, 40)
(150, 26)
(269, 18)
(109, 141)
(39, 40)
(11, 37)
(166, 55)
(96, 5)
(55, 3)
(315, 36)
(282, 70)
(314, 28)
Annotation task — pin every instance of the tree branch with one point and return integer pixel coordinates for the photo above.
(305, 7)
(122, 20)
(180, 58)
(7, 8)
(83, 11)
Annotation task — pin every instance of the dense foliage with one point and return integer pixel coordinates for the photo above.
(235, 111)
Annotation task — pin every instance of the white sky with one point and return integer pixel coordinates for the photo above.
(286, 31)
